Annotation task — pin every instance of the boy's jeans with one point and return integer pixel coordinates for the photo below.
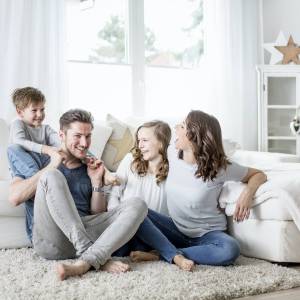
(25, 164)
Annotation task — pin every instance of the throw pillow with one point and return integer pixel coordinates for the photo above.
(119, 143)
(101, 134)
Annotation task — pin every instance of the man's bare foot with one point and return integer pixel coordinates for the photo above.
(113, 266)
(79, 268)
(183, 263)
(138, 256)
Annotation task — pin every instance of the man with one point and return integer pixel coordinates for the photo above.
(70, 218)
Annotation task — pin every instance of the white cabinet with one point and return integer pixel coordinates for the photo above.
(278, 94)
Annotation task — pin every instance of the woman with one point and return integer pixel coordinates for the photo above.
(196, 176)
(142, 174)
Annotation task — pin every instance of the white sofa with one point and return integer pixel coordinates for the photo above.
(262, 236)
(270, 232)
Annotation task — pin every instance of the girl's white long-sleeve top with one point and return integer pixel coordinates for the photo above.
(135, 186)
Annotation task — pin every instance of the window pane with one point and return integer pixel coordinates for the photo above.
(174, 92)
(101, 89)
(97, 33)
(173, 32)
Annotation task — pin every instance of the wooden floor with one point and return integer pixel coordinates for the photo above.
(291, 294)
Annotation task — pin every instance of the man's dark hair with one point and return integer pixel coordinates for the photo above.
(75, 115)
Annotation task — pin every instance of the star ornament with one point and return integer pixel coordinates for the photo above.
(290, 52)
(276, 56)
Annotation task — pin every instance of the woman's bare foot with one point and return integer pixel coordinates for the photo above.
(113, 266)
(79, 268)
(183, 263)
(138, 256)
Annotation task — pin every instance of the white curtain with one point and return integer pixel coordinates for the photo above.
(232, 48)
(32, 38)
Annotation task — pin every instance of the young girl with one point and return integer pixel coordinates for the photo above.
(196, 176)
(143, 173)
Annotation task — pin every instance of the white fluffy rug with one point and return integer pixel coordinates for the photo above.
(24, 275)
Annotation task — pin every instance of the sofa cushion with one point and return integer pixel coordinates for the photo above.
(13, 233)
(4, 134)
(119, 143)
(101, 134)
(7, 209)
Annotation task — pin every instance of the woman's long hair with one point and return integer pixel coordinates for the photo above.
(204, 133)
(162, 132)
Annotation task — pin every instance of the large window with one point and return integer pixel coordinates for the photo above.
(135, 57)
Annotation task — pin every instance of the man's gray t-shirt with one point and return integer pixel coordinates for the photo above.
(192, 203)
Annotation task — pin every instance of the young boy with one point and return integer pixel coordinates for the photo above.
(33, 143)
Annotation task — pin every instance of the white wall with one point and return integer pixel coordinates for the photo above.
(280, 15)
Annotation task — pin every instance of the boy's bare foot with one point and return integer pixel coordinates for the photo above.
(183, 263)
(113, 266)
(138, 256)
(64, 271)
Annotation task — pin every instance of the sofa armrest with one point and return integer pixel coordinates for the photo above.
(262, 160)
(7, 209)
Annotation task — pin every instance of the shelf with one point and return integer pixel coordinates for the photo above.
(291, 138)
(282, 106)
(279, 68)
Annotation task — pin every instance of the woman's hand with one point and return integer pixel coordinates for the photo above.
(243, 206)
(254, 179)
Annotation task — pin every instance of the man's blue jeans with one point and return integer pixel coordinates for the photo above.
(213, 248)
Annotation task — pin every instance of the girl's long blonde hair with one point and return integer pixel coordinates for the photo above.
(162, 132)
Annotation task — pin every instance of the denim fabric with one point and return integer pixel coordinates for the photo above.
(213, 248)
(149, 237)
(25, 164)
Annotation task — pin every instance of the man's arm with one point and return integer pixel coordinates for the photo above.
(98, 203)
(21, 190)
(95, 172)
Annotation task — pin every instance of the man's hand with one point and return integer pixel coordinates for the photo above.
(243, 206)
(95, 170)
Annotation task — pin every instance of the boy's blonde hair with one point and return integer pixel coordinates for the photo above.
(23, 97)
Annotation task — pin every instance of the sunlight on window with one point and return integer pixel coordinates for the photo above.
(100, 77)
(173, 32)
(100, 89)
(171, 92)
(97, 34)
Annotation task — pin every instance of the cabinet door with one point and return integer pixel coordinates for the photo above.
(280, 102)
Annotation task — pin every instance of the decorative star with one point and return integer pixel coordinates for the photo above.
(290, 52)
(276, 56)
(122, 145)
